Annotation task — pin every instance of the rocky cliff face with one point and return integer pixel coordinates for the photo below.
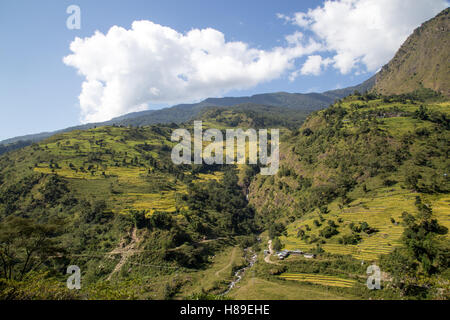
(422, 61)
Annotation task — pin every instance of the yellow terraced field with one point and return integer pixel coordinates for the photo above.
(66, 173)
(319, 279)
(377, 211)
(150, 202)
(441, 210)
(203, 177)
(132, 176)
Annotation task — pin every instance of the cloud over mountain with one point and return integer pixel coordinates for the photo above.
(128, 70)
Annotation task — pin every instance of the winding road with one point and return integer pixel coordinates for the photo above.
(267, 258)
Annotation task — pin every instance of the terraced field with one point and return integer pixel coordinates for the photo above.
(377, 211)
(124, 175)
(203, 177)
(117, 161)
(161, 201)
(319, 279)
(441, 209)
(151, 202)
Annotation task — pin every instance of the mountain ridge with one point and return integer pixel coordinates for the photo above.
(421, 62)
(184, 112)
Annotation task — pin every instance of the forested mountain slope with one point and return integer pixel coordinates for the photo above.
(353, 176)
(110, 201)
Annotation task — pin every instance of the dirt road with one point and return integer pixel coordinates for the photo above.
(125, 252)
(267, 258)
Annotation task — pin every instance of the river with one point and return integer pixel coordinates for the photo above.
(240, 272)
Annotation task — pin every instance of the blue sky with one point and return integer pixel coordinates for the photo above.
(39, 92)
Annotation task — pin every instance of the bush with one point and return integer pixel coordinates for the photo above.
(324, 210)
(331, 223)
(301, 234)
(354, 238)
(389, 183)
(328, 232)
(276, 229)
(367, 229)
(36, 286)
(276, 244)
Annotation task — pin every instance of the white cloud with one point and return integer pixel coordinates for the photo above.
(314, 65)
(129, 70)
(364, 35)
(295, 38)
(284, 17)
(301, 19)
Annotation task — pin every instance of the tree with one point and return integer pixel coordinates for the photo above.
(354, 238)
(95, 212)
(421, 113)
(276, 244)
(301, 234)
(426, 252)
(25, 245)
(53, 189)
(324, 209)
(277, 229)
(139, 219)
(328, 232)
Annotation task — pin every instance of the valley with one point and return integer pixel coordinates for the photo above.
(362, 181)
(134, 219)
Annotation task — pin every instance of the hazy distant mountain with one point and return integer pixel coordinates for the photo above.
(183, 112)
(340, 93)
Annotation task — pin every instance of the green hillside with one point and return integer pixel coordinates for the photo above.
(362, 182)
(351, 176)
(116, 206)
(110, 200)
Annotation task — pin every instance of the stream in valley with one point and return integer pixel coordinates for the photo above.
(251, 259)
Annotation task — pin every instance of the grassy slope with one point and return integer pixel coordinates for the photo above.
(262, 289)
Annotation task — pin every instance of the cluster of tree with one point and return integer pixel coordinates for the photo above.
(277, 229)
(440, 118)
(353, 239)
(26, 245)
(330, 230)
(11, 194)
(221, 206)
(363, 226)
(419, 95)
(256, 116)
